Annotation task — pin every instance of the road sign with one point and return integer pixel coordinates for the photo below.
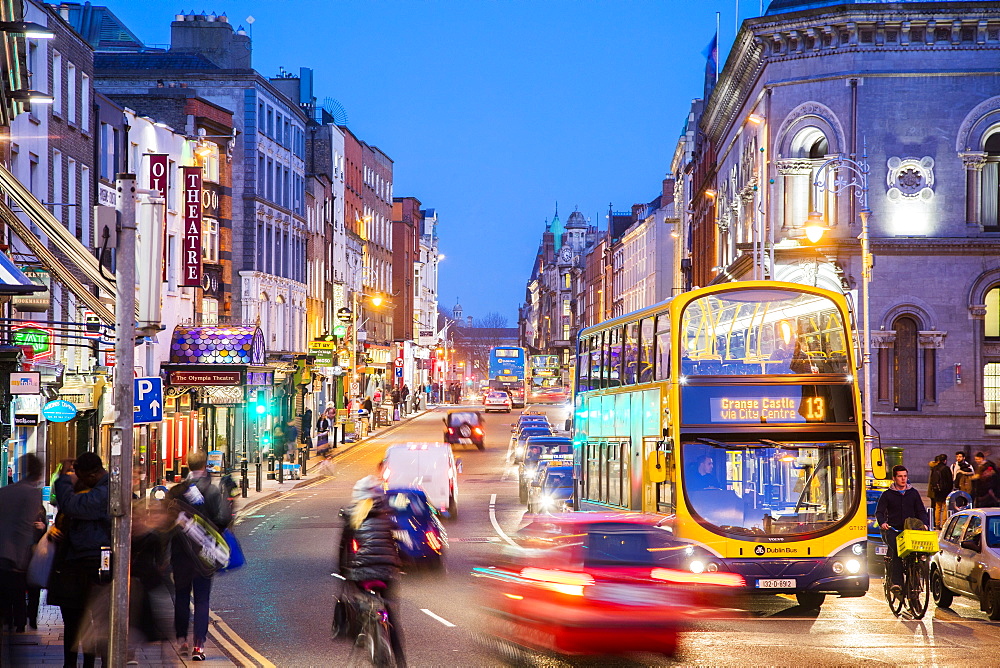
(399, 372)
(148, 400)
(398, 362)
(59, 411)
(344, 314)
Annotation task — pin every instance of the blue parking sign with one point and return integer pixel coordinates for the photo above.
(148, 400)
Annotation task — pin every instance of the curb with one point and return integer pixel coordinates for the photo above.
(338, 452)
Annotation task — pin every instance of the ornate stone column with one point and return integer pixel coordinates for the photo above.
(974, 163)
(795, 173)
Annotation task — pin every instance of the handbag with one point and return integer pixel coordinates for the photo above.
(42, 557)
(236, 557)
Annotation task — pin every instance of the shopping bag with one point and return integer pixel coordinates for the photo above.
(236, 556)
(40, 566)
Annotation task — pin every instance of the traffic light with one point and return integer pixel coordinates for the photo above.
(440, 353)
(265, 439)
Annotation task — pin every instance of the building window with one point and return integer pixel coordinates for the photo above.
(172, 263)
(57, 96)
(809, 149)
(905, 380)
(210, 241)
(991, 324)
(991, 394)
(71, 93)
(209, 311)
(565, 333)
(566, 306)
(85, 103)
(173, 197)
(990, 185)
(85, 211)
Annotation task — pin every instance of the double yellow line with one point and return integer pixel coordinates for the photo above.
(236, 647)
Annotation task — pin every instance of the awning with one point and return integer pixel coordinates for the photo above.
(13, 281)
(219, 344)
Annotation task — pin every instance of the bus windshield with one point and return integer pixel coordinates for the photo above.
(766, 488)
(742, 332)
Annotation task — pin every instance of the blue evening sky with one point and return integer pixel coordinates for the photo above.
(493, 111)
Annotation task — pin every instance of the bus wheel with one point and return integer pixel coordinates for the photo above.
(810, 599)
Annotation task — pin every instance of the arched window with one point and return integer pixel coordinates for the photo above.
(989, 212)
(905, 365)
(991, 322)
(807, 153)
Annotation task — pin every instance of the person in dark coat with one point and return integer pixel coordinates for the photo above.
(984, 482)
(376, 557)
(939, 486)
(84, 524)
(19, 507)
(897, 504)
(208, 500)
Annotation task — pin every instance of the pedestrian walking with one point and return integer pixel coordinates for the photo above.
(84, 527)
(939, 486)
(209, 502)
(19, 507)
(404, 395)
(323, 425)
(984, 482)
(962, 472)
(368, 406)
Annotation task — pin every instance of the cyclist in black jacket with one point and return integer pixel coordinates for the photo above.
(897, 504)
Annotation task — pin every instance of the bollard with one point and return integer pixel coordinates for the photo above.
(270, 467)
(304, 459)
(245, 480)
(260, 468)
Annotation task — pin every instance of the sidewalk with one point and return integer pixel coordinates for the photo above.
(44, 647)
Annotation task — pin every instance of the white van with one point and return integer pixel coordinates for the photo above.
(427, 466)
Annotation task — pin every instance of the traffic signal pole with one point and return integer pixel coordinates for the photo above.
(120, 465)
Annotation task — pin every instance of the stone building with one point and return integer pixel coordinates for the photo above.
(910, 91)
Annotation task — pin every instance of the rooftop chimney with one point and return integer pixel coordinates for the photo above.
(213, 37)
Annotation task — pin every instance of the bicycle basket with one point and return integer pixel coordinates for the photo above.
(912, 540)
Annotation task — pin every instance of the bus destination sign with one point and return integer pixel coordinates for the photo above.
(768, 409)
(766, 404)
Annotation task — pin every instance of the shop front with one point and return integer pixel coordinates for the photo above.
(216, 375)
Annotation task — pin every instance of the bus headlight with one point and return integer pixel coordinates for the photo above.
(712, 567)
(838, 567)
(858, 548)
(853, 566)
(697, 566)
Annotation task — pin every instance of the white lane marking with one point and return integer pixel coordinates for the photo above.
(433, 616)
(496, 525)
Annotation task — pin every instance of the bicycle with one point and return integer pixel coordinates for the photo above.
(368, 620)
(915, 548)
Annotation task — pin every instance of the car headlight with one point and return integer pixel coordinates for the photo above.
(519, 450)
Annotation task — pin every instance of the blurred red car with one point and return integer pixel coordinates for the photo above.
(599, 584)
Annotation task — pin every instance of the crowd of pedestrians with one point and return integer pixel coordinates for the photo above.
(169, 534)
(978, 478)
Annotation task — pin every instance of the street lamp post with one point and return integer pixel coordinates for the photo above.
(853, 175)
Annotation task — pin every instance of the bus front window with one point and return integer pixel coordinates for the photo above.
(769, 488)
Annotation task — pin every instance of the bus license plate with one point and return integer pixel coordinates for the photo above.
(881, 550)
(775, 584)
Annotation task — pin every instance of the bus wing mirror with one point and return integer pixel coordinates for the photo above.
(656, 466)
(878, 464)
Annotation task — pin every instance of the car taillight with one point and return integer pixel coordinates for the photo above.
(565, 582)
(683, 577)
(354, 546)
(478, 431)
(450, 430)
(433, 541)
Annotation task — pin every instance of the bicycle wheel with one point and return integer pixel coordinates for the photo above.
(895, 601)
(918, 589)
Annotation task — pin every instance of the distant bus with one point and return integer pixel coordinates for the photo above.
(507, 372)
(545, 381)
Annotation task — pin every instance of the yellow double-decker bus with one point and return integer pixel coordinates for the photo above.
(734, 412)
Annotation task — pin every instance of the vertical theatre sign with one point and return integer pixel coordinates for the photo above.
(158, 183)
(192, 227)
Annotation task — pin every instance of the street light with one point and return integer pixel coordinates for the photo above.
(28, 29)
(855, 177)
(34, 96)
(815, 226)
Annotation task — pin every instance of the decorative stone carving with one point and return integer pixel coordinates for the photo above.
(973, 160)
(931, 339)
(884, 338)
(910, 178)
(794, 166)
(966, 140)
(977, 312)
(819, 111)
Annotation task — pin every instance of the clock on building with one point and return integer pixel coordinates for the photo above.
(566, 255)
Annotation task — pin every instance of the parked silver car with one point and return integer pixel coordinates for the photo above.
(968, 562)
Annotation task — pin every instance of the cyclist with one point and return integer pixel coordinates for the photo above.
(368, 550)
(897, 504)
